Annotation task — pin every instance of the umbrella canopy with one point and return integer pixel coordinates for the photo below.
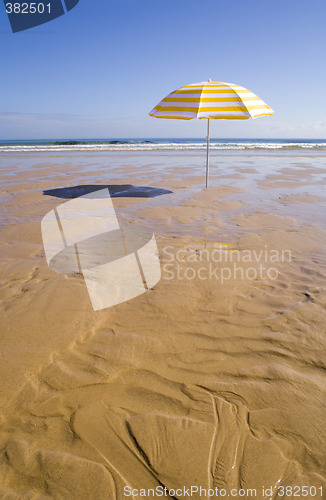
(211, 100)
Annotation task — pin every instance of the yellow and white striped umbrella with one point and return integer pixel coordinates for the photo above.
(211, 100)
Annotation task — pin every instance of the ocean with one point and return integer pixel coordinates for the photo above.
(169, 144)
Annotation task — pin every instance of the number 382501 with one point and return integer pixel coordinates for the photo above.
(28, 8)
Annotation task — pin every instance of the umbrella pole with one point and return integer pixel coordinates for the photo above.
(207, 152)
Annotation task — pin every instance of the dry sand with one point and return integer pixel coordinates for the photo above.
(197, 382)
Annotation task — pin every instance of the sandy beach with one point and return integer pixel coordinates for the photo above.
(215, 378)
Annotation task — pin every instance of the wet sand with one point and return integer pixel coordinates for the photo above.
(214, 378)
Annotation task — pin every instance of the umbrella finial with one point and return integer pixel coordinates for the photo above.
(209, 79)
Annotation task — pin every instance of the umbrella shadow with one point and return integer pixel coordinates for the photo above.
(116, 191)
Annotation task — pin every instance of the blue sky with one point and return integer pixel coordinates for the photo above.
(98, 70)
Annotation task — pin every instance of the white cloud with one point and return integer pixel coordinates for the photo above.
(60, 125)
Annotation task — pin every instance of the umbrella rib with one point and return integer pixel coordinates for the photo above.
(245, 105)
(200, 98)
(232, 89)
